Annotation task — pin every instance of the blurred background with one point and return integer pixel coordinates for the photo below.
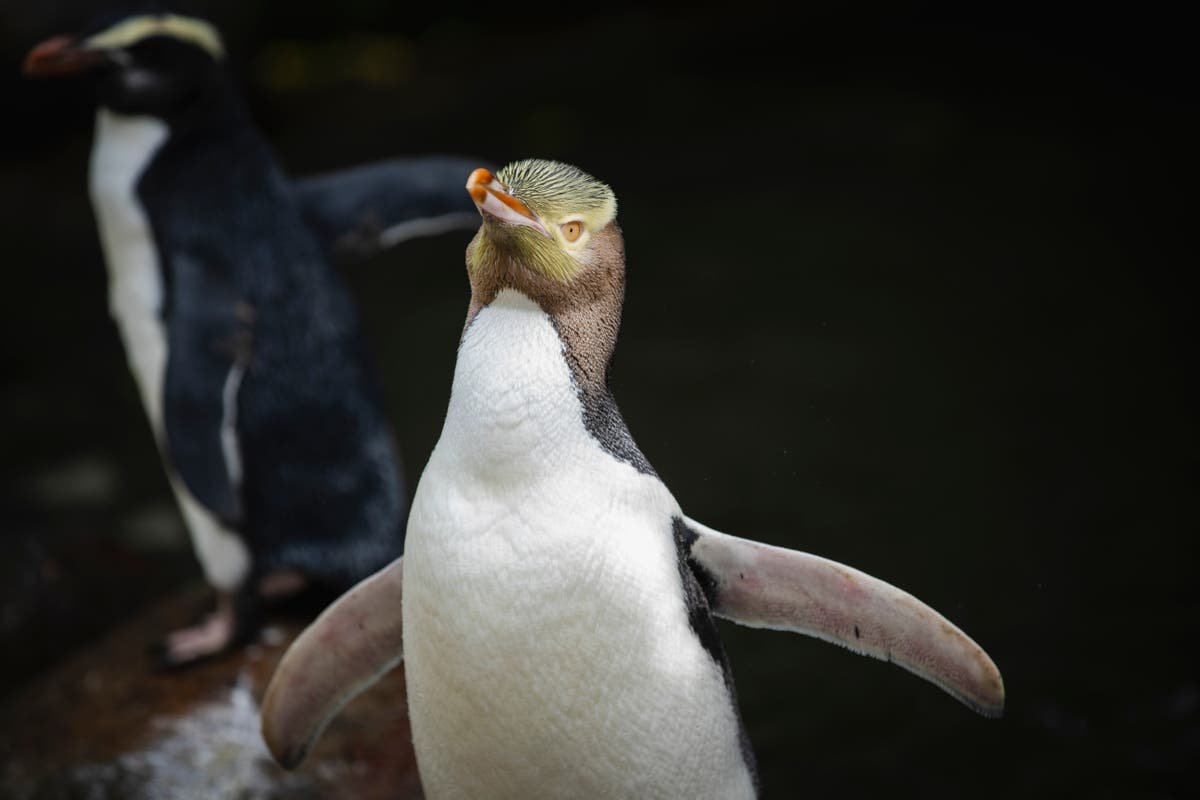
(907, 290)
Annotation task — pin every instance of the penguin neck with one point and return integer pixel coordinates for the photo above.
(512, 392)
(128, 146)
(518, 407)
(123, 148)
(585, 311)
(212, 116)
(209, 147)
(585, 315)
(211, 106)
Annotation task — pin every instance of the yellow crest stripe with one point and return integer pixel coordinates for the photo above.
(135, 29)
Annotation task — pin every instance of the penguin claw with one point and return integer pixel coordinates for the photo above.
(215, 635)
(163, 659)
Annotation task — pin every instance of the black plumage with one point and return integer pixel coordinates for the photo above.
(249, 287)
(361, 210)
(272, 417)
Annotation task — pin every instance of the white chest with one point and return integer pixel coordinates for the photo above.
(547, 644)
(124, 146)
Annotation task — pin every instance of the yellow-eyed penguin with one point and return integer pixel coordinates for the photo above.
(555, 606)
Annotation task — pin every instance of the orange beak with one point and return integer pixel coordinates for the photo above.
(492, 198)
(59, 56)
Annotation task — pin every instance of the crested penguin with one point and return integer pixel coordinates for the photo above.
(555, 606)
(242, 339)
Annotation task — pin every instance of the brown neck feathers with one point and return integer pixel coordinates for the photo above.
(586, 311)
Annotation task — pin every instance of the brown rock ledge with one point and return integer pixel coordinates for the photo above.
(102, 725)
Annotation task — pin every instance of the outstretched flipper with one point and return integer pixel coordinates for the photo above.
(347, 649)
(362, 210)
(762, 586)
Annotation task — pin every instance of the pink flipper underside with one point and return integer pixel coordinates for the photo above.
(352, 644)
(349, 647)
(770, 587)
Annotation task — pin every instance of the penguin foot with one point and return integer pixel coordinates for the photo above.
(294, 596)
(282, 584)
(213, 635)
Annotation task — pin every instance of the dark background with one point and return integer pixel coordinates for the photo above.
(907, 290)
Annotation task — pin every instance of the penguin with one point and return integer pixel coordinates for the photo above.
(555, 606)
(242, 339)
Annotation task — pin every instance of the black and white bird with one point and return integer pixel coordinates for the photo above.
(242, 338)
(555, 605)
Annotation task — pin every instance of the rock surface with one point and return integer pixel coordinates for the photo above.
(103, 725)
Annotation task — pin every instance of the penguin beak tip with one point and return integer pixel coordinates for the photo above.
(58, 56)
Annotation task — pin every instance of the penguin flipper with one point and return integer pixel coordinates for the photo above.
(210, 334)
(362, 210)
(350, 646)
(761, 586)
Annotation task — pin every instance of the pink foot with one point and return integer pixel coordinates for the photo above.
(210, 637)
(284, 583)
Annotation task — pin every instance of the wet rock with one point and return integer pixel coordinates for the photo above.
(61, 590)
(103, 726)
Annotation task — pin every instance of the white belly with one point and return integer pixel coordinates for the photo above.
(547, 644)
(124, 146)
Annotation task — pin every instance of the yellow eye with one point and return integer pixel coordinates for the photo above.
(572, 230)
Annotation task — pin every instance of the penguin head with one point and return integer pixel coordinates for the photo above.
(550, 232)
(143, 63)
(544, 223)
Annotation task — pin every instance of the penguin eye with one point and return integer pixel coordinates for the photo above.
(572, 230)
